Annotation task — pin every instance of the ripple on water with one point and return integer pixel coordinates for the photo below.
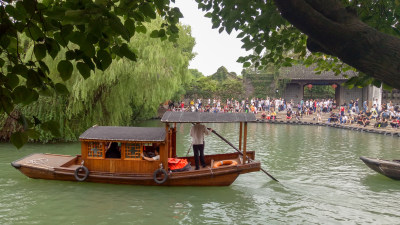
(322, 181)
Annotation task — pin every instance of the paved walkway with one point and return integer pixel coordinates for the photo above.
(308, 120)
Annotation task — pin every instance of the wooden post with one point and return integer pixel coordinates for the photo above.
(240, 136)
(244, 143)
(173, 152)
(164, 152)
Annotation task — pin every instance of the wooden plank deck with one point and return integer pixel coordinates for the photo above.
(46, 161)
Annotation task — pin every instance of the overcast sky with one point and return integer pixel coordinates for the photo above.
(213, 49)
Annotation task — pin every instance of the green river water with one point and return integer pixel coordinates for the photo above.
(322, 181)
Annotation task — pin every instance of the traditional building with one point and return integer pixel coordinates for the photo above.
(299, 76)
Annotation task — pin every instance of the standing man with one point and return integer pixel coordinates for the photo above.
(365, 106)
(197, 133)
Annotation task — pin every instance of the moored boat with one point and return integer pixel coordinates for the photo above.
(126, 164)
(389, 168)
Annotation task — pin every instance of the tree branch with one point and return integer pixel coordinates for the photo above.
(335, 30)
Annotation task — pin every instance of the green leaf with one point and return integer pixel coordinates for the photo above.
(89, 62)
(387, 87)
(173, 28)
(12, 80)
(125, 51)
(377, 83)
(84, 69)
(70, 55)
(40, 51)
(141, 29)
(61, 89)
(76, 17)
(161, 33)
(33, 79)
(4, 41)
(160, 4)
(34, 32)
(20, 69)
(44, 67)
(30, 6)
(105, 59)
(118, 27)
(24, 95)
(154, 34)
(65, 69)
(45, 91)
(87, 48)
(246, 64)
(103, 44)
(130, 26)
(18, 139)
(32, 133)
(48, 2)
(20, 93)
(259, 49)
(52, 47)
(147, 10)
(6, 104)
(52, 126)
(208, 15)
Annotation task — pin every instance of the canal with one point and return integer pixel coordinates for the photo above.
(322, 181)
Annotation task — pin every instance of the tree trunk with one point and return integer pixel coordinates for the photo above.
(335, 30)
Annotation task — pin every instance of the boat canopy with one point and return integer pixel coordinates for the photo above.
(113, 133)
(206, 117)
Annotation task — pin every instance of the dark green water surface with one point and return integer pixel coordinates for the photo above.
(323, 181)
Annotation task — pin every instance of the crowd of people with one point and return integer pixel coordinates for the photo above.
(348, 113)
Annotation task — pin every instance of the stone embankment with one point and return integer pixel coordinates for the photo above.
(309, 120)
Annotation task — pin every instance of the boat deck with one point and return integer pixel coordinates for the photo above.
(46, 161)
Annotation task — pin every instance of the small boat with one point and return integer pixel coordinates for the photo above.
(128, 166)
(388, 168)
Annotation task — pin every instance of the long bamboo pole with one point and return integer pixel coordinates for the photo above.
(230, 144)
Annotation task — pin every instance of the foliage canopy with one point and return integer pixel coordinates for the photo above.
(340, 34)
(94, 33)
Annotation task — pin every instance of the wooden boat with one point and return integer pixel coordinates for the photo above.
(388, 168)
(93, 165)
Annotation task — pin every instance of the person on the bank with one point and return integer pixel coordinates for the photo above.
(197, 133)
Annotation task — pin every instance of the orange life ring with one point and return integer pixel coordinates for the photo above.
(225, 162)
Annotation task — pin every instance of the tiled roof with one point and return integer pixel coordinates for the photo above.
(156, 134)
(300, 72)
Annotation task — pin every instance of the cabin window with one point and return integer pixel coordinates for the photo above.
(132, 151)
(149, 149)
(95, 149)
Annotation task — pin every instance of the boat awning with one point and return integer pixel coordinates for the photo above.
(206, 117)
(111, 133)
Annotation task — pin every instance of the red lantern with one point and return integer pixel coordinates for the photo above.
(309, 86)
(334, 86)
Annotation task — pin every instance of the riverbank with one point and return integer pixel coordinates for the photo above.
(309, 121)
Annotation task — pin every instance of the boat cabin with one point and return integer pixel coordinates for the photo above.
(127, 144)
(120, 149)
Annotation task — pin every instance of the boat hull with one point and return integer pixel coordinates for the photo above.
(388, 168)
(45, 168)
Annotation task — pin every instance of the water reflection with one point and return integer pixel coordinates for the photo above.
(322, 181)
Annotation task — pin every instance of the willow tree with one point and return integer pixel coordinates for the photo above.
(127, 90)
(99, 30)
